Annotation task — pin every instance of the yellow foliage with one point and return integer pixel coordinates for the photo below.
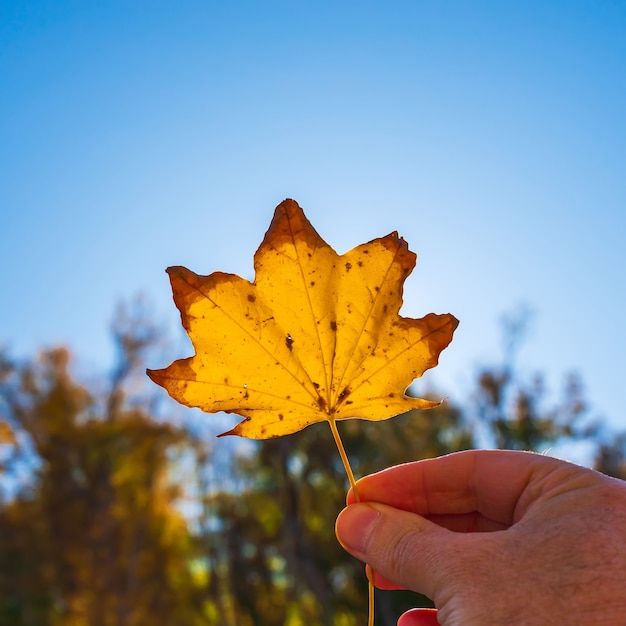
(6, 434)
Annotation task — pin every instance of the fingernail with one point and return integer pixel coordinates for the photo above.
(354, 526)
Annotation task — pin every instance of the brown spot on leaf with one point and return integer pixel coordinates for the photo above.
(251, 297)
(333, 326)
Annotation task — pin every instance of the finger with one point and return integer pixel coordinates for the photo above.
(490, 482)
(419, 617)
(405, 549)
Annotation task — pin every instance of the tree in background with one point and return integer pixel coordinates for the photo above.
(512, 412)
(95, 538)
(91, 529)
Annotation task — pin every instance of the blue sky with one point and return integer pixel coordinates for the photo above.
(491, 135)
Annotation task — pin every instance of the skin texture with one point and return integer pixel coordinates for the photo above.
(494, 537)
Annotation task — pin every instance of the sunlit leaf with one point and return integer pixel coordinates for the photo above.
(317, 336)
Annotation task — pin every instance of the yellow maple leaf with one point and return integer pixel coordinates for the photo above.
(317, 336)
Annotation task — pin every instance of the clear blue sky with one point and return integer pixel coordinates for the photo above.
(492, 135)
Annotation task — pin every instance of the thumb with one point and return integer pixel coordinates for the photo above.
(405, 548)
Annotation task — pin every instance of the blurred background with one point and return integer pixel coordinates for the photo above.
(136, 135)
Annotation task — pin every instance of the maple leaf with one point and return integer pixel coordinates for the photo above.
(317, 336)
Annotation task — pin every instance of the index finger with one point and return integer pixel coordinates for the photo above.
(488, 482)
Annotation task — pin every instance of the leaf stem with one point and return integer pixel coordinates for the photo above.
(346, 465)
(344, 457)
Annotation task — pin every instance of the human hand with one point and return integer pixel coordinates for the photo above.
(494, 537)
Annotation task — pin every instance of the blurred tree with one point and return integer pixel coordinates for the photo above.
(610, 456)
(96, 540)
(91, 531)
(513, 413)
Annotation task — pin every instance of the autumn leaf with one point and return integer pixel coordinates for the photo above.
(317, 336)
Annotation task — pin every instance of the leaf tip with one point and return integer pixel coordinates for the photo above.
(156, 376)
(454, 322)
(232, 431)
